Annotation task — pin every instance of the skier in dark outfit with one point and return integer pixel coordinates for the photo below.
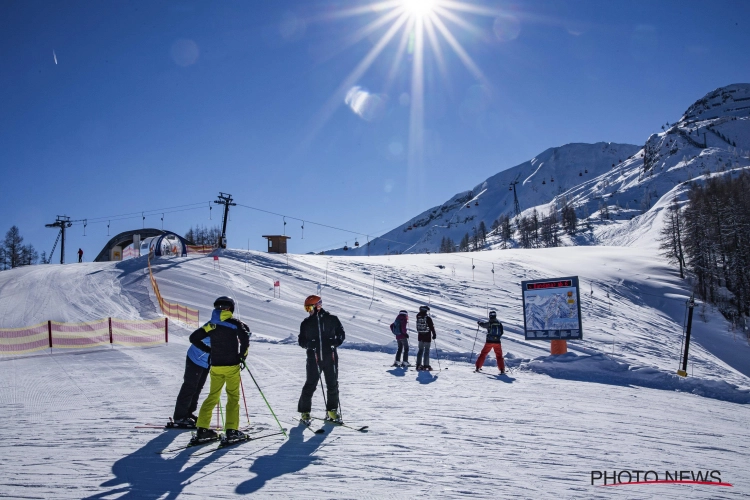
(320, 333)
(230, 339)
(196, 372)
(494, 334)
(426, 333)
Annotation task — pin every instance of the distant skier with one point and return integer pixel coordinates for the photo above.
(399, 329)
(230, 339)
(80, 255)
(320, 333)
(426, 333)
(494, 334)
(196, 372)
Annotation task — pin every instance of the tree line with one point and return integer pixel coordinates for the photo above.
(536, 230)
(201, 235)
(710, 239)
(13, 253)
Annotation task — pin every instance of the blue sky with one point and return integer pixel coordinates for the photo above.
(120, 107)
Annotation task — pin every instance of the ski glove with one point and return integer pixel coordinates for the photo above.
(434, 336)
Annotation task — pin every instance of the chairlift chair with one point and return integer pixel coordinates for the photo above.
(356, 243)
(346, 248)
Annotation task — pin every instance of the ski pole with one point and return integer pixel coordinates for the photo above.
(437, 352)
(244, 400)
(264, 399)
(474, 345)
(221, 412)
(336, 373)
(320, 379)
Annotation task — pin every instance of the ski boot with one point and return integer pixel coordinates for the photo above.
(333, 416)
(233, 436)
(427, 368)
(183, 423)
(396, 363)
(478, 370)
(204, 436)
(502, 372)
(419, 368)
(305, 418)
(405, 364)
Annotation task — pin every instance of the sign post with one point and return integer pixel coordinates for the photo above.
(552, 311)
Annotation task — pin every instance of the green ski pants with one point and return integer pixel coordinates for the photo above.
(220, 375)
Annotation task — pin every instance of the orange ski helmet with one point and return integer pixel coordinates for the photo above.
(311, 302)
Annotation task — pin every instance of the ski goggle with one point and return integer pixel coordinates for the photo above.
(310, 308)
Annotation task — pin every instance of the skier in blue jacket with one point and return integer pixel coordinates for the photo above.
(197, 367)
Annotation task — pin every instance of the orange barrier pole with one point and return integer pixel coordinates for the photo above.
(110, 330)
(49, 331)
(557, 347)
(166, 330)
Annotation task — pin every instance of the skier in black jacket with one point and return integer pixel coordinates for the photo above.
(494, 334)
(320, 333)
(230, 339)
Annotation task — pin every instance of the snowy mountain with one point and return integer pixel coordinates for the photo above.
(618, 190)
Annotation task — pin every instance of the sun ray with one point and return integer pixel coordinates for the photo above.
(458, 21)
(357, 11)
(416, 115)
(436, 48)
(399, 56)
(338, 96)
(469, 8)
(460, 52)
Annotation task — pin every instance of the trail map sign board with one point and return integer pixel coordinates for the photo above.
(552, 309)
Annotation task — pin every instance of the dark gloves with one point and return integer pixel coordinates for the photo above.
(243, 356)
(434, 336)
(407, 335)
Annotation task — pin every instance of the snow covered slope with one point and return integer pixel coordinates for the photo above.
(612, 403)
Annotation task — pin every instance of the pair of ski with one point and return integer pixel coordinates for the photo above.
(333, 422)
(250, 436)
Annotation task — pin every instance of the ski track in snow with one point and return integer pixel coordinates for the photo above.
(535, 433)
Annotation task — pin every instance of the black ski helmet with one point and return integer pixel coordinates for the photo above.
(493, 314)
(224, 303)
(424, 308)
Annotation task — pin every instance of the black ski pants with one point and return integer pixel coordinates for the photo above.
(192, 385)
(329, 367)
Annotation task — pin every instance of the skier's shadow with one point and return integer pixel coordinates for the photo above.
(397, 372)
(292, 456)
(147, 474)
(426, 377)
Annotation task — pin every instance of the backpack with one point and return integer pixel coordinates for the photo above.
(396, 327)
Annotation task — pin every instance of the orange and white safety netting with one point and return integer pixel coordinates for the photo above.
(138, 333)
(173, 310)
(23, 340)
(82, 335)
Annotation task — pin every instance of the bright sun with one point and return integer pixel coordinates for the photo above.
(418, 8)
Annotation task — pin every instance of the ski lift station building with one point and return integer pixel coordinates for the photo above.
(130, 244)
(277, 243)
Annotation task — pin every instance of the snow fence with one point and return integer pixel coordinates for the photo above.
(82, 335)
(184, 314)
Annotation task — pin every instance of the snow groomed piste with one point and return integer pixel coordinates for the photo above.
(614, 399)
